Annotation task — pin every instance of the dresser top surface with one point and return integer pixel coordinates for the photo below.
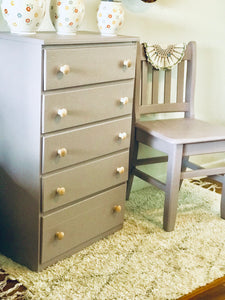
(52, 38)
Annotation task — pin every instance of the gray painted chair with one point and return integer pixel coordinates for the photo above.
(178, 138)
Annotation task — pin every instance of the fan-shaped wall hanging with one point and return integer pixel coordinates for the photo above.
(163, 59)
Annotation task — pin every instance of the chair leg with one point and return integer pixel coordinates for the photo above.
(172, 187)
(132, 165)
(222, 205)
(183, 167)
(129, 185)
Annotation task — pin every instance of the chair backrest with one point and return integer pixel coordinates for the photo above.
(181, 79)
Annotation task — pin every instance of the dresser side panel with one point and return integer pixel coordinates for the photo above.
(20, 100)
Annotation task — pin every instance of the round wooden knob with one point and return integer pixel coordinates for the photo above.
(117, 208)
(124, 100)
(61, 191)
(120, 170)
(59, 235)
(65, 69)
(62, 112)
(122, 135)
(62, 152)
(127, 63)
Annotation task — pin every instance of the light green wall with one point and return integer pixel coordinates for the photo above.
(172, 21)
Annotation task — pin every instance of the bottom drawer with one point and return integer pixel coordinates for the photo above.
(74, 225)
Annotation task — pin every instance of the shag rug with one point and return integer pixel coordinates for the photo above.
(141, 261)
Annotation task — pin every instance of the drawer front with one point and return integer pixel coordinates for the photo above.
(81, 222)
(88, 65)
(83, 180)
(86, 143)
(85, 105)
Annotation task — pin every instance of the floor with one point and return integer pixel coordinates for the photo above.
(216, 289)
(212, 291)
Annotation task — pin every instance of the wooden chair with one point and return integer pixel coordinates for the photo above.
(178, 138)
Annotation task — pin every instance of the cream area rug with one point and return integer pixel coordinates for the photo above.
(141, 261)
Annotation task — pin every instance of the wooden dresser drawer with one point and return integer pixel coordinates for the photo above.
(86, 143)
(79, 106)
(88, 65)
(82, 222)
(83, 180)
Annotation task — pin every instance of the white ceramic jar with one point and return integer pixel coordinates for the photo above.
(67, 15)
(23, 16)
(110, 17)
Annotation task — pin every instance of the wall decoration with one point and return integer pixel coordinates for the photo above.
(148, 1)
(136, 6)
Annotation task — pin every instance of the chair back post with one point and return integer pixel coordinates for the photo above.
(137, 86)
(191, 78)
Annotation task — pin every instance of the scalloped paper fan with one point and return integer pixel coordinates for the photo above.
(163, 59)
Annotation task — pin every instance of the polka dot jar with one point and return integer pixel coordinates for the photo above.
(67, 15)
(23, 16)
(110, 17)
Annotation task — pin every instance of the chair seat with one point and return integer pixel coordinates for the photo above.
(183, 131)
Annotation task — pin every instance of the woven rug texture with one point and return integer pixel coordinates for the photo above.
(141, 261)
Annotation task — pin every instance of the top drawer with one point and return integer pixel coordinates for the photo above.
(88, 65)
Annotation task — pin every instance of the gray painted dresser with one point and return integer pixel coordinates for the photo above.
(65, 123)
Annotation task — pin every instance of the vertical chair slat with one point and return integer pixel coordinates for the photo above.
(180, 82)
(155, 86)
(144, 82)
(167, 86)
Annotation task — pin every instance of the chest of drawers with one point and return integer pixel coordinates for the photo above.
(66, 105)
